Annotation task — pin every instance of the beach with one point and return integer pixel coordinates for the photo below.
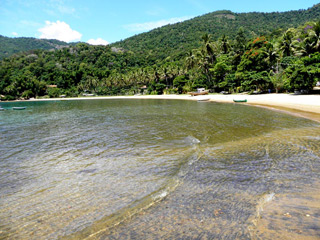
(307, 106)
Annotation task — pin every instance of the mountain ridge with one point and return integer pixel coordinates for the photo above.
(10, 46)
(176, 39)
(188, 33)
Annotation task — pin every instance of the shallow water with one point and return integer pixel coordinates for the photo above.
(157, 169)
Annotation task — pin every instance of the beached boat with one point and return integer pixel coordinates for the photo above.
(240, 100)
(203, 99)
(200, 91)
(19, 108)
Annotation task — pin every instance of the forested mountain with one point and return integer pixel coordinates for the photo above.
(173, 40)
(236, 57)
(10, 46)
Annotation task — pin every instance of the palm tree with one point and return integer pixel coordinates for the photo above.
(287, 45)
(165, 74)
(147, 76)
(208, 48)
(311, 42)
(155, 75)
(306, 47)
(271, 55)
(91, 83)
(224, 44)
(191, 60)
(175, 72)
(314, 37)
(240, 42)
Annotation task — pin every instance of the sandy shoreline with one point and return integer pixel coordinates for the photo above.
(307, 106)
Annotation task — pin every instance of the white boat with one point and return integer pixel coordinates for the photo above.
(18, 108)
(203, 99)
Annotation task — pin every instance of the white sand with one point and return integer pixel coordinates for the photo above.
(302, 105)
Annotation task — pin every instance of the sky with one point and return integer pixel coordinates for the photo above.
(107, 21)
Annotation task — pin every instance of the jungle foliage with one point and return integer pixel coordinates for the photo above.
(176, 39)
(286, 61)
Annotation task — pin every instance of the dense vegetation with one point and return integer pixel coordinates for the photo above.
(286, 61)
(176, 39)
(10, 46)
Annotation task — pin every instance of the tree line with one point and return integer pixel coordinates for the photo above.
(284, 62)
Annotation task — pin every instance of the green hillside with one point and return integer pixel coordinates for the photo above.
(176, 39)
(10, 46)
(221, 51)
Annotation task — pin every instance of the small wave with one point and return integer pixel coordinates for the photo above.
(266, 198)
(161, 195)
(263, 201)
(119, 217)
(143, 204)
(192, 140)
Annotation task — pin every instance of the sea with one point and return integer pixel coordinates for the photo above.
(157, 169)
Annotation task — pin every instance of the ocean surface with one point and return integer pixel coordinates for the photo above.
(157, 169)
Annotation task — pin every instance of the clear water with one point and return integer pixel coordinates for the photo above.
(157, 169)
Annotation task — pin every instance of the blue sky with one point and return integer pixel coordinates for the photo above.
(107, 21)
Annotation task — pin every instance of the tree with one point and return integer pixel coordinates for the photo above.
(221, 69)
(240, 41)
(313, 38)
(304, 73)
(179, 82)
(287, 44)
(277, 80)
(254, 59)
(239, 47)
(191, 60)
(206, 58)
(224, 44)
(258, 81)
(271, 55)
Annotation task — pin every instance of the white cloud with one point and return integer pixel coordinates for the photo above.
(14, 34)
(98, 41)
(59, 30)
(141, 27)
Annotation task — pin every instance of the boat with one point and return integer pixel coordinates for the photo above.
(203, 99)
(240, 100)
(200, 91)
(19, 108)
(2, 109)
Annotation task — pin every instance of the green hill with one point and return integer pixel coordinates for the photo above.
(220, 51)
(176, 39)
(10, 46)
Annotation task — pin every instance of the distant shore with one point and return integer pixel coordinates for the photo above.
(307, 106)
